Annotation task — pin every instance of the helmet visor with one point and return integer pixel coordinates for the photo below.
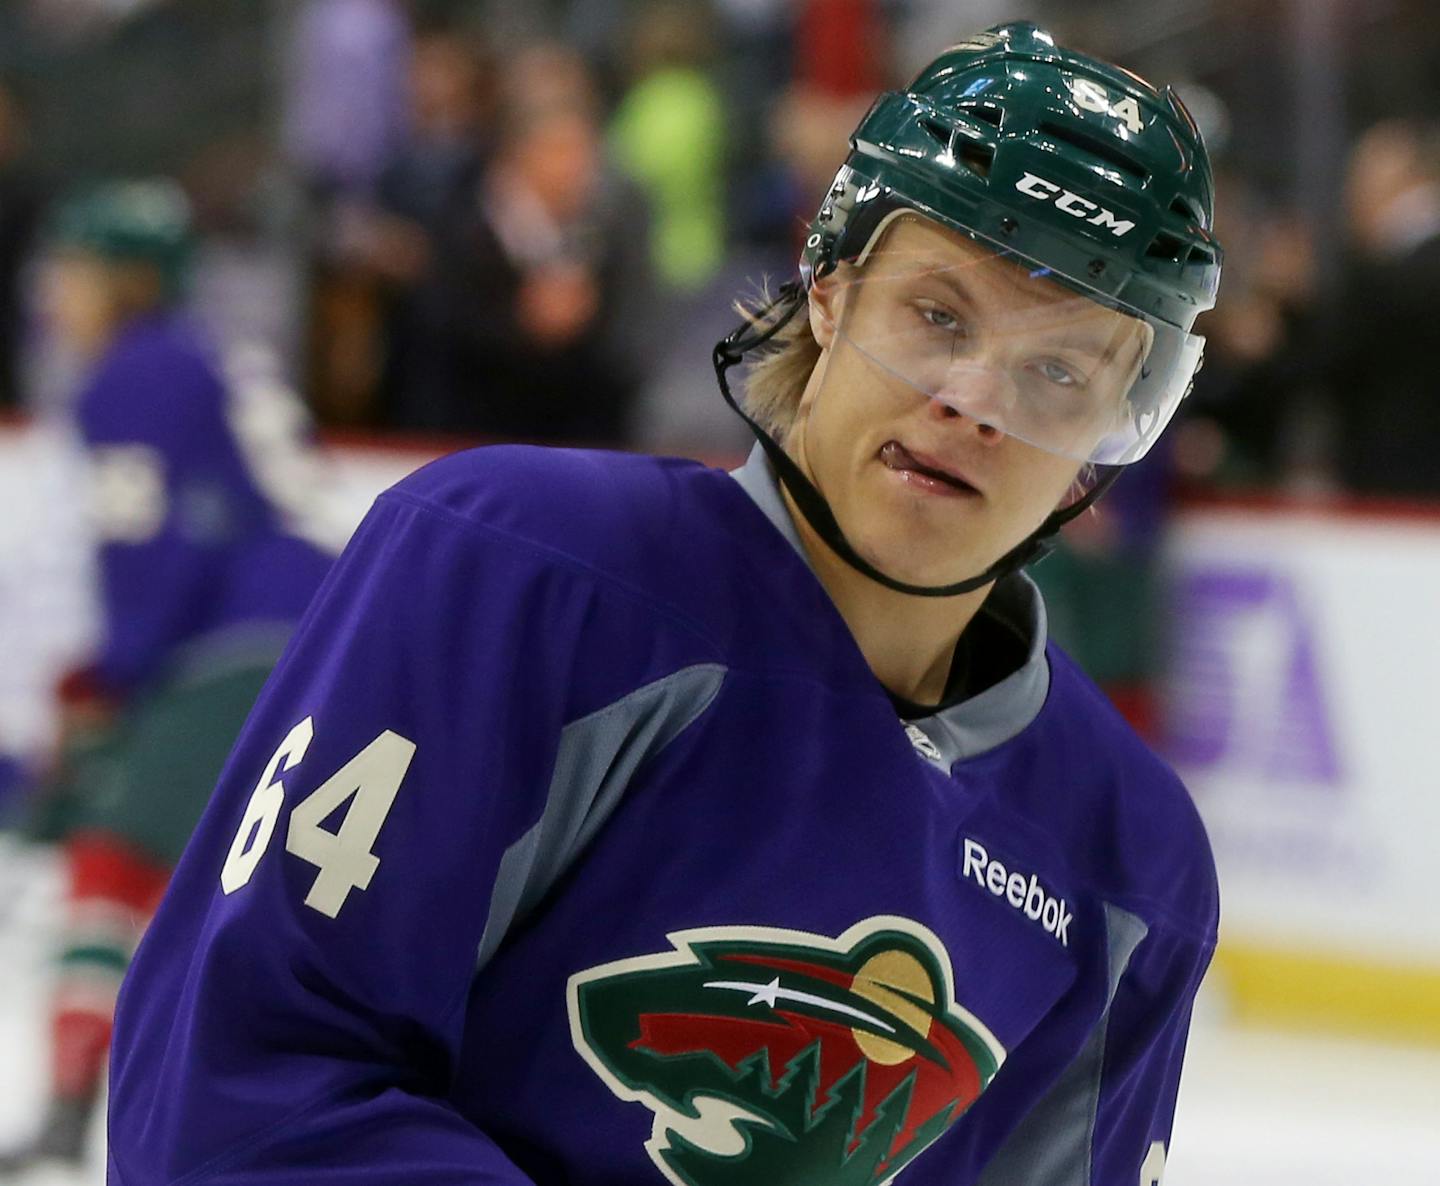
(998, 338)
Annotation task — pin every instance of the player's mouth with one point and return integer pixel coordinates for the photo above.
(925, 473)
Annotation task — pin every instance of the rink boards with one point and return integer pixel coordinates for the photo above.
(1302, 710)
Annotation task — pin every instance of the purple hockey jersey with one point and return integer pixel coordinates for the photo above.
(194, 553)
(573, 841)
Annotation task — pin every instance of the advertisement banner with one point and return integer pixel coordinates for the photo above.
(1301, 709)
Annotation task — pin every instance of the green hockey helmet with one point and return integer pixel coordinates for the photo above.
(137, 221)
(1082, 175)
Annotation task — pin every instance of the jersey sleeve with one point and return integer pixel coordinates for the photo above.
(1107, 1118)
(1145, 1038)
(295, 1010)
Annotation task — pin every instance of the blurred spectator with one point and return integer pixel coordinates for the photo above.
(755, 61)
(843, 48)
(248, 284)
(669, 134)
(803, 133)
(1384, 375)
(20, 205)
(344, 104)
(1257, 401)
(450, 113)
(344, 118)
(201, 580)
(531, 318)
(841, 61)
(451, 121)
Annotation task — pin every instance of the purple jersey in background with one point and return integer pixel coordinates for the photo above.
(193, 553)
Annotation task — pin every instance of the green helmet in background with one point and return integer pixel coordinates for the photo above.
(137, 221)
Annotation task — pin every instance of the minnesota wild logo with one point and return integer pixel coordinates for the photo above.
(785, 1058)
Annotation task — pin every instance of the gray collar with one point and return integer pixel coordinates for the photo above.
(982, 722)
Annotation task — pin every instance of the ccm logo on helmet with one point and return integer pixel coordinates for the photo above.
(1073, 204)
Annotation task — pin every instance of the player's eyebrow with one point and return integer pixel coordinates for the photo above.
(946, 273)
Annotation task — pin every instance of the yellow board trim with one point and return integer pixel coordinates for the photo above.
(1339, 994)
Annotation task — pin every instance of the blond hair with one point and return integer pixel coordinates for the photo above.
(776, 374)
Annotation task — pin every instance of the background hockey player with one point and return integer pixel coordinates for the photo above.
(200, 581)
(617, 820)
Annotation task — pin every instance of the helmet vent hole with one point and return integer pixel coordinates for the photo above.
(1185, 210)
(1199, 255)
(1168, 247)
(938, 132)
(986, 112)
(976, 157)
(1096, 146)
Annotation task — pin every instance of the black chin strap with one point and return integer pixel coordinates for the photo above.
(770, 320)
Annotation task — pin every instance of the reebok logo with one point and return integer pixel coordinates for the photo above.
(923, 745)
(1025, 894)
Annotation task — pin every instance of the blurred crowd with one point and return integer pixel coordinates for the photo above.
(489, 220)
(474, 220)
(520, 236)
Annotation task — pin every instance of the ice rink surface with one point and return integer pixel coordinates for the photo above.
(1261, 1108)
(1257, 1108)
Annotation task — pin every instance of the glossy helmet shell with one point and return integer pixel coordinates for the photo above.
(1075, 164)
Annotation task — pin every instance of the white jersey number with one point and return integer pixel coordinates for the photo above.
(257, 825)
(1152, 1173)
(368, 782)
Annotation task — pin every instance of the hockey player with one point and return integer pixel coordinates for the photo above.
(200, 581)
(615, 820)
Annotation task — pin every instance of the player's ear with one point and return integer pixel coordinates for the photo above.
(825, 302)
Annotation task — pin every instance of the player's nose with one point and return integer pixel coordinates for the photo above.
(977, 397)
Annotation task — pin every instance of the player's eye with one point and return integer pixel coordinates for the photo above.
(937, 316)
(1058, 373)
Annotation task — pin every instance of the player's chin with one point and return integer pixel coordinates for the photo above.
(929, 559)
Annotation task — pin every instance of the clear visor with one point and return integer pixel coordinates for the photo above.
(995, 337)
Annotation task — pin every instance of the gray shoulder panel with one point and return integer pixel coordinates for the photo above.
(597, 757)
(758, 480)
(1052, 1146)
(1004, 710)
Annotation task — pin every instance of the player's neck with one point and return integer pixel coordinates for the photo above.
(908, 641)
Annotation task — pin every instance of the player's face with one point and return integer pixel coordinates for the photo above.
(77, 300)
(937, 355)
